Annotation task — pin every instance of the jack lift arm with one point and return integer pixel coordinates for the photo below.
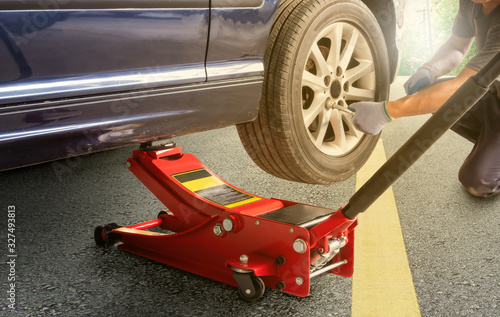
(216, 230)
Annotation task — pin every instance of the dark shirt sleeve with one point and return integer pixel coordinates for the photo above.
(462, 27)
(490, 48)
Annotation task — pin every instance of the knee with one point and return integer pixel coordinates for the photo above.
(478, 184)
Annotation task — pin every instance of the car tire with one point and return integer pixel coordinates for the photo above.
(321, 56)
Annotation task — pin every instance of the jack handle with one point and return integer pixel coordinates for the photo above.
(451, 111)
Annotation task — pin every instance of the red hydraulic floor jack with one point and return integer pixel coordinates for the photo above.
(221, 232)
(216, 230)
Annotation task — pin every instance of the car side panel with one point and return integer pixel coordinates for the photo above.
(30, 134)
(61, 53)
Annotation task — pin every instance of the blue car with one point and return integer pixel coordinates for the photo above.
(80, 76)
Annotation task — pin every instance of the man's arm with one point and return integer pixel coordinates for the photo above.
(370, 117)
(449, 55)
(430, 99)
(446, 58)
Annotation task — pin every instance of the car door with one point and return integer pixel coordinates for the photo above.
(55, 49)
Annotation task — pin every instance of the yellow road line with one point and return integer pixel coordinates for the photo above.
(382, 283)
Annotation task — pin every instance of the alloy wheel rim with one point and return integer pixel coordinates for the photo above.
(339, 70)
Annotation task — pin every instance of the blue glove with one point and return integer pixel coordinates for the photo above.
(422, 77)
(370, 117)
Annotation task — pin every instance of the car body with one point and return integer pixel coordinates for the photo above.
(82, 76)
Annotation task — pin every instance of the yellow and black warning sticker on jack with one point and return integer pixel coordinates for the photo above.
(206, 185)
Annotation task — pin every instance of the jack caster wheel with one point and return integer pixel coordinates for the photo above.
(98, 236)
(104, 236)
(163, 212)
(250, 287)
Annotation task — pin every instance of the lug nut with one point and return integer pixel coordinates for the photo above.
(330, 104)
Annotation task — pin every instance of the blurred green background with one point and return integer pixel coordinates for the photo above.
(427, 26)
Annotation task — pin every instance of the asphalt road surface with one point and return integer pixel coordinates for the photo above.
(452, 239)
